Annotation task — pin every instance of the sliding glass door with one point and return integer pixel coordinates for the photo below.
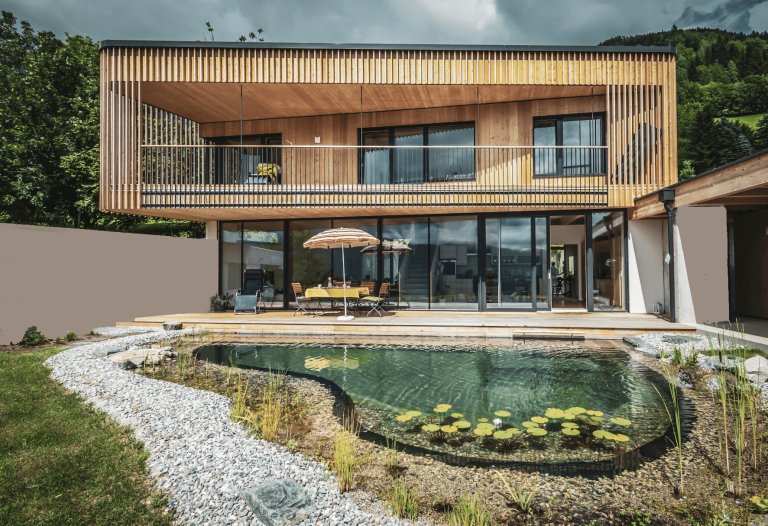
(516, 249)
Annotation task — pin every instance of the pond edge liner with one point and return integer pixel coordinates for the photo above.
(628, 460)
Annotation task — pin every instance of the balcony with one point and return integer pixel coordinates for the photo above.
(210, 176)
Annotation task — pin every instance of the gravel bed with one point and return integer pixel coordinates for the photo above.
(199, 458)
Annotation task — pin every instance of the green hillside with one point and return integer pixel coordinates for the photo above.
(719, 73)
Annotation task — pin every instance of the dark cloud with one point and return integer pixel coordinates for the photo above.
(574, 22)
(733, 16)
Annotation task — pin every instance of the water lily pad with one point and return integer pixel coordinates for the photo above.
(502, 414)
(598, 418)
(413, 413)
(483, 432)
(582, 417)
(461, 424)
(554, 413)
(595, 413)
(446, 406)
(485, 426)
(440, 409)
(570, 431)
(537, 431)
(621, 421)
(539, 419)
(482, 419)
(570, 425)
(431, 427)
(502, 435)
(513, 431)
(593, 422)
(576, 410)
(600, 433)
(449, 429)
(609, 436)
(621, 438)
(530, 424)
(456, 415)
(403, 418)
(568, 416)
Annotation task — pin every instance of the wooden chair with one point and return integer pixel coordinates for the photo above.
(377, 302)
(371, 286)
(301, 300)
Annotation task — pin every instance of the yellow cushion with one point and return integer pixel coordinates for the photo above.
(371, 298)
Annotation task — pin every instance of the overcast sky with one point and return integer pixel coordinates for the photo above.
(557, 22)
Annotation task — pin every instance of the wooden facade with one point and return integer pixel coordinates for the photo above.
(161, 104)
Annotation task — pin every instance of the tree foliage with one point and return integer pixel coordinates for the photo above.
(49, 138)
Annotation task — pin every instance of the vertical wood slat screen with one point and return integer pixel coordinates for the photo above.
(641, 125)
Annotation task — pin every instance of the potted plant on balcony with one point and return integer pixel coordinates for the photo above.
(221, 302)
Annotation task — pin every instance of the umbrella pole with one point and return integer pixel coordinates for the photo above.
(346, 317)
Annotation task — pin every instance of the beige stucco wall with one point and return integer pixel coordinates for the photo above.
(701, 264)
(63, 279)
(646, 264)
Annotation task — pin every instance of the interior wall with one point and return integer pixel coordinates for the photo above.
(572, 235)
(751, 260)
(62, 279)
(701, 264)
(646, 264)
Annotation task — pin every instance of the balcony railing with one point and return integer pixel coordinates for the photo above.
(205, 176)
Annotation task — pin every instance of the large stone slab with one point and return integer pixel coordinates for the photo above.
(280, 502)
(107, 351)
(713, 363)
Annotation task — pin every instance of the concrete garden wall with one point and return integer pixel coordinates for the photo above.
(62, 279)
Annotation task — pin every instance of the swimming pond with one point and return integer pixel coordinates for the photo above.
(525, 401)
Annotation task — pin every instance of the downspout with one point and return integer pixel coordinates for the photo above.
(668, 197)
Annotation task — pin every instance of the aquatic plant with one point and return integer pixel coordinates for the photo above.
(403, 418)
(502, 414)
(462, 424)
(457, 415)
(403, 501)
(674, 418)
(539, 419)
(413, 414)
(449, 429)
(522, 497)
(390, 460)
(468, 512)
(430, 428)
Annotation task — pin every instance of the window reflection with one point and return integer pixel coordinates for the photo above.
(574, 135)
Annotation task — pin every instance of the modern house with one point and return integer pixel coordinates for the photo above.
(511, 173)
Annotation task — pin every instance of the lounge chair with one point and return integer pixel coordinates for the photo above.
(251, 298)
(377, 302)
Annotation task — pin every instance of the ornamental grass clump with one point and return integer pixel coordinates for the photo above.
(403, 501)
(468, 512)
(522, 497)
(346, 456)
(390, 460)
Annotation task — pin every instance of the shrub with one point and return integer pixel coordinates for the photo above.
(71, 336)
(403, 501)
(468, 512)
(32, 337)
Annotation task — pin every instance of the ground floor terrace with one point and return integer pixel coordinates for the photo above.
(415, 324)
(573, 260)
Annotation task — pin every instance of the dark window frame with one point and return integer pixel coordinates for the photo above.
(425, 134)
(559, 119)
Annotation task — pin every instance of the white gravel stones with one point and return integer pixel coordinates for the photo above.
(199, 457)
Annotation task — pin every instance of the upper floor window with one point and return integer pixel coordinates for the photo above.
(382, 164)
(573, 133)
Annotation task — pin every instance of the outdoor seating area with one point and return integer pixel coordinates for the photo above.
(320, 300)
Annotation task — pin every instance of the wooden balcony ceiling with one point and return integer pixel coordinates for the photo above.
(219, 102)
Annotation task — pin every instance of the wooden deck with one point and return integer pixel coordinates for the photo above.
(567, 325)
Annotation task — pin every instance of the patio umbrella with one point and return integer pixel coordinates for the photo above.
(340, 238)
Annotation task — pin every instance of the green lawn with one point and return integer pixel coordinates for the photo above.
(750, 120)
(61, 461)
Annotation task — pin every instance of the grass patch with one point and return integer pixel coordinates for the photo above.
(61, 461)
(744, 353)
(749, 120)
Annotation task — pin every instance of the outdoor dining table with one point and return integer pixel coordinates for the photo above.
(334, 294)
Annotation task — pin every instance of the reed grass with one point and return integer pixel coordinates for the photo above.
(347, 457)
(468, 512)
(390, 460)
(403, 501)
(674, 417)
(521, 496)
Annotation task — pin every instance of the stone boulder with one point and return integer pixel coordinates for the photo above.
(172, 326)
(280, 502)
(757, 369)
(713, 363)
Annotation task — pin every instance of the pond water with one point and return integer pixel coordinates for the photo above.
(552, 401)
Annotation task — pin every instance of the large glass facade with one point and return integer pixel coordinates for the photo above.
(230, 258)
(453, 262)
(310, 267)
(608, 260)
(408, 268)
(263, 248)
(433, 262)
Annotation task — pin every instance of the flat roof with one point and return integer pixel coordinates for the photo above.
(383, 47)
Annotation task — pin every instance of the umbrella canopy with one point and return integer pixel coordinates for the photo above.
(387, 247)
(341, 238)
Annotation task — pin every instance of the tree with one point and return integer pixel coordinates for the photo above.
(761, 141)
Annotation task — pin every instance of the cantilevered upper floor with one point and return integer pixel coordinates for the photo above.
(216, 131)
